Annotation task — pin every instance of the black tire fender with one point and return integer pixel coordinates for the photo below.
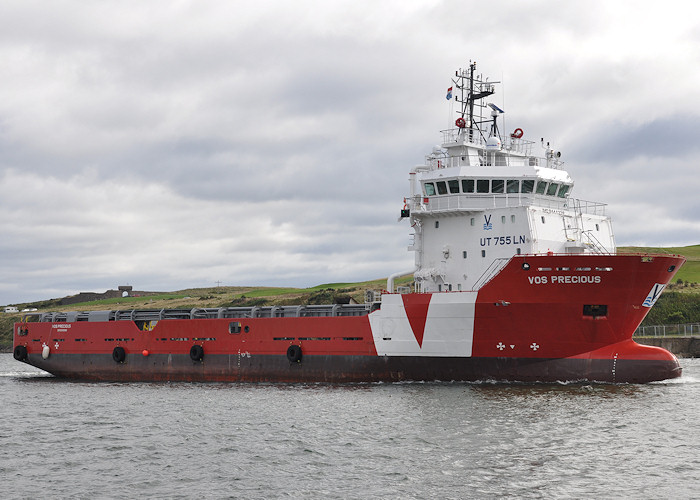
(20, 353)
(119, 354)
(294, 353)
(196, 353)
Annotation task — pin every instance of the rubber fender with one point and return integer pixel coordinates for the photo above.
(20, 353)
(119, 354)
(294, 354)
(197, 353)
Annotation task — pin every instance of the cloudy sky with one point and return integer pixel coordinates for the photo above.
(173, 144)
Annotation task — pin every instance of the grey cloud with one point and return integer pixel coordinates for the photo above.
(668, 136)
(173, 145)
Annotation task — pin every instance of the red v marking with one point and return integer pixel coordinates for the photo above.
(416, 306)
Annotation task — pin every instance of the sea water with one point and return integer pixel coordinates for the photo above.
(61, 439)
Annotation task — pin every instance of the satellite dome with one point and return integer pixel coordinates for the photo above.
(493, 143)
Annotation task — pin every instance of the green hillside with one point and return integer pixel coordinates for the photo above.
(689, 272)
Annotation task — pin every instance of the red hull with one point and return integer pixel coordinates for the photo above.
(531, 322)
(648, 367)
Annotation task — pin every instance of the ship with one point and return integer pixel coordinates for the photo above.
(515, 280)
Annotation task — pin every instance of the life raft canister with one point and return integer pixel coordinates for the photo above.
(294, 353)
(517, 133)
(461, 122)
(197, 353)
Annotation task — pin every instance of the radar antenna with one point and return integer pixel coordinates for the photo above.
(472, 89)
(495, 111)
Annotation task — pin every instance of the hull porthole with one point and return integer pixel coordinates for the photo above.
(294, 354)
(197, 353)
(20, 353)
(119, 354)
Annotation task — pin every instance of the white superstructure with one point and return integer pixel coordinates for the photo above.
(482, 197)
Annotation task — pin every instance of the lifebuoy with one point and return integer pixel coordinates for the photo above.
(517, 133)
(197, 353)
(294, 354)
(461, 122)
(20, 353)
(119, 354)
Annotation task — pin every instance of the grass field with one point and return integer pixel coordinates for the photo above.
(689, 272)
(219, 297)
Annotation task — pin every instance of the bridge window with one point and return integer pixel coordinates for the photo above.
(471, 222)
(441, 187)
(464, 254)
(497, 186)
(437, 224)
(527, 186)
(454, 186)
(482, 186)
(467, 185)
(503, 219)
(552, 189)
(429, 189)
(563, 190)
(512, 186)
(541, 186)
(483, 253)
(512, 218)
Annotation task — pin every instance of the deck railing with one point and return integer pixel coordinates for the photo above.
(311, 311)
(478, 202)
(478, 138)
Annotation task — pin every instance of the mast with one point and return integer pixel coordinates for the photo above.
(472, 68)
(475, 89)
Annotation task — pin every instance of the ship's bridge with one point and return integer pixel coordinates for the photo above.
(483, 196)
(476, 188)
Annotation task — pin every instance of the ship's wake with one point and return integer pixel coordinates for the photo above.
(683, 379)
(26, 374)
